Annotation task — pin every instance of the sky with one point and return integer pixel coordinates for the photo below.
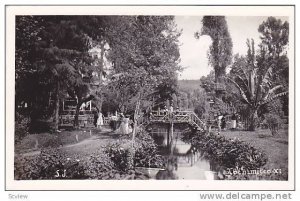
(193, 52)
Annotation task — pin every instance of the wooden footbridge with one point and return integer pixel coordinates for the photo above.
(170, 119)
(176, 117)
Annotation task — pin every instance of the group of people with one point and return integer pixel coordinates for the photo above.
(165, 110)
(119, 123)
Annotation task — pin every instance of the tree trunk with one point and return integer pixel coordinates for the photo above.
(80, 102)
(252, 119)
(56, 113)
(76, 117)
(135, 119)
(101, 62)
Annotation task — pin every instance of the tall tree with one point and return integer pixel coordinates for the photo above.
(274, 36)
(144, 52)
(273, 51)
(220, 51)
(59, 46)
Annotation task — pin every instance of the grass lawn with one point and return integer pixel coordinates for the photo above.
(34, 142)
(87, 142)
(276, 147)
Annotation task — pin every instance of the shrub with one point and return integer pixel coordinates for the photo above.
(113, 162)
(100, 166)
(21, 126)
(145, 153)
(273, 121)
(49, 164)
(228, 153)
(120, 154)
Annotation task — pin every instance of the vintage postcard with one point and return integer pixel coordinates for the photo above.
(150, 97)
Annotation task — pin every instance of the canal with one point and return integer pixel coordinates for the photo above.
(182, 161)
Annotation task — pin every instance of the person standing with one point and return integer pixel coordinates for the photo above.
(113, 122)
(223, 123)
(166, 111)
(95, 118)
(219, 122)
(233, 121)
(171, 108)
(100, 120)
(125, 129)
(119, 125)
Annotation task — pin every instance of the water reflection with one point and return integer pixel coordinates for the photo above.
(182, 160)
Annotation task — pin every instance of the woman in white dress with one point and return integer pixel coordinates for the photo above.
(219, 122)
(100, 120)
(233, 121)
(124, 127)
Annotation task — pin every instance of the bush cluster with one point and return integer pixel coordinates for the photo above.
(227, 152)
(21, 126)
(142, 154)
(146, 154)
(120, 154)
(115, 161)
(273, 121)
(49, 164)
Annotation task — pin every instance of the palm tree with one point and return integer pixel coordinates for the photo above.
(255, 86)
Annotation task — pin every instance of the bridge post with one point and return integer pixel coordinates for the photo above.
(170, 132)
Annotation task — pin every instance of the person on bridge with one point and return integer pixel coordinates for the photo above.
(171, 108)
(165, 110)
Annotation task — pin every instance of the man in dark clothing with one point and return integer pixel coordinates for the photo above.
(223, 123)
(95, 118)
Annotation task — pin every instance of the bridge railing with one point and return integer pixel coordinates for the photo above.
(177, 116)
(198, 121)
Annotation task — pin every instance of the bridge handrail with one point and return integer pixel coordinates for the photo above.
(198, 119)
(179, 115)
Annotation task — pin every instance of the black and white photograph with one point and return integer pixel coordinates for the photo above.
(178, 96)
